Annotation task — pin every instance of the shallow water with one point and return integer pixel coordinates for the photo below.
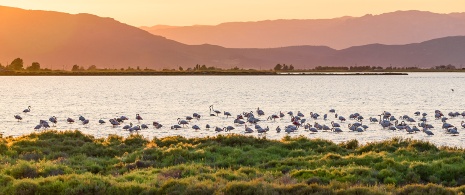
(166, 98)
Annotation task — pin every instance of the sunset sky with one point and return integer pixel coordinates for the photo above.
(210, 12)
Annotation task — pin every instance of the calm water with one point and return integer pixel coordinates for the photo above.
(166, 98)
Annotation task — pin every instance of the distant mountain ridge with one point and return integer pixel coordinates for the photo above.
(401, 27)
(60, 40)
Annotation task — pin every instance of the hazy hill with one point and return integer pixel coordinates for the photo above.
(58, 39)
(401, 27)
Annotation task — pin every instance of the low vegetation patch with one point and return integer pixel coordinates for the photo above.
(70, 162)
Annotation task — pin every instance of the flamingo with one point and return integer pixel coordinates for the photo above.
(260, 112)
(196, 116)
(248, 129)
(227, 114)
(70, 120)
(273, 116)
(138, 117)
(28, 109)
(53, 119)
(127, 127)
(337, 129)
(228, 128)
(213, 110)
(17, 117)
(195, 127)
(217, 129)
(182, 122)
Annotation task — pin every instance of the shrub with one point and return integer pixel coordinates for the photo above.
(23, 170)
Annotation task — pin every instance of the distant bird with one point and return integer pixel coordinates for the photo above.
(70, 120)
(101, 121)
(196, 116)
(138, 117)
(217, 129)
(213, 110)
(17, 117)
(182, 122)
(176, 127)
(260, 112)
(332, 110)
(228, 128)
(452, 90)
(53, 119)
(195, 127)
(428, 132)
(135, 128)
(278, 130)
(337, 130)
(227, 114)
(114, 122)
(290, 113)
(85, 122)
(273, 117)
(207, 126)
(127, 127)
(335, 124)
(248, 129)
(189, 118)
(37, 127)
(81, 118)
(157, 125)
(144, 126)
(28, 109)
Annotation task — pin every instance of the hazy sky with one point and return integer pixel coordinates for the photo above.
(190, 12)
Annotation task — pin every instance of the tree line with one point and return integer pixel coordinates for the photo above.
(18, 64)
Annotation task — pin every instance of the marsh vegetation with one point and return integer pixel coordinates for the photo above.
(73, 163)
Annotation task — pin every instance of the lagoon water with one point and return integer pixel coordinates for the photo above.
(166, 98)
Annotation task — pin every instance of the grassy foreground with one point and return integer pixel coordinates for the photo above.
(73, 163)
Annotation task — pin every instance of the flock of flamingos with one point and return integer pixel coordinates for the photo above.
(296, 121)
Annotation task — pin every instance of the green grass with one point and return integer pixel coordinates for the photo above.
(73, 163)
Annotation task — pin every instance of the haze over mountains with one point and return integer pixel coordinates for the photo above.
(401, 27)
(60, 40)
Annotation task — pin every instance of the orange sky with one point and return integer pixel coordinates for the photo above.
(189, 12)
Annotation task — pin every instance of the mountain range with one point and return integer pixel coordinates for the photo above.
(60, 40)
(401, 27)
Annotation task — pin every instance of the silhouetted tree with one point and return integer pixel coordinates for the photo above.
(285, 67)
(17, 64)
(278, 67)
(35, 66)
(180, 68)
(92, 67)
(291, 67)
(75, 68)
